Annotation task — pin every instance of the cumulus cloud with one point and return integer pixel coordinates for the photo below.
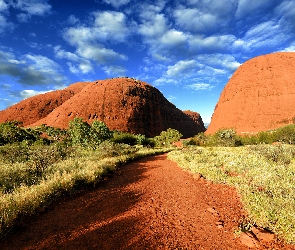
(81, 64)
(182, 67)
(200, 86)
(111, 25)
(211, 44)
(117, 3)
(3, 5)
(31, 70)
(89, 41)
(196, 21)
(224, 61)
(29, 93)
(32, 7)
(114, 70)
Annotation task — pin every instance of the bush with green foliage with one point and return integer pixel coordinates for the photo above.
(286, 134)
(82, 134)
(12, 131)
(281, 154)
(124, 137)
(166, 138)
(111, 149)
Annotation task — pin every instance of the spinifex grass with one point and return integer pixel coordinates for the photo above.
(264, 176)
(23, 196)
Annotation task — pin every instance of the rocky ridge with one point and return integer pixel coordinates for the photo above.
(123, 104)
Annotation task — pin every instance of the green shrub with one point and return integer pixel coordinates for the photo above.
(124, 137)
(224, 137)
(281, 154)
(166, 138)
(286, 134)
(82, 134)
(12, 132)
(111, 149)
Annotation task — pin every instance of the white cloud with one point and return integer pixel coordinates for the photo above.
(247, 7)
(89, 41)
(224, 61)
(4, 24)
(114, 70)
(173, 38)
(182, 67)
(99, 54)
(212, 43)
(72, 20)
(200, 86)
(286, 8)
(196, 21)
(266, 34)
(32, 7)
(111, 25)
(117, 3)
(31, 69)
(82, 65)
(290, 48)
(153, 26)
(3, 5)
(29, 93)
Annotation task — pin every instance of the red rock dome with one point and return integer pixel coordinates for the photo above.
(123, 104)
(260, 95)
(37, 107)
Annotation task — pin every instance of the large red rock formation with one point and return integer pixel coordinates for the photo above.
(37, 107)
(195, 116)
(260, 95)
(123, 104)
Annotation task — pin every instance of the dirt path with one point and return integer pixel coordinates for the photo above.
(147, 204)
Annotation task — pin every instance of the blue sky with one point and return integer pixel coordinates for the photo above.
(188, 49)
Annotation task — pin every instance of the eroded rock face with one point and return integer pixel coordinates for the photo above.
(37, 107)
(123, 104)
(260, 95)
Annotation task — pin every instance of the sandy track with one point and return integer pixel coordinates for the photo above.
(147, 204)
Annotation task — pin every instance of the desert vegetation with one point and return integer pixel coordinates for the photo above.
(42, 164)
(262, 171)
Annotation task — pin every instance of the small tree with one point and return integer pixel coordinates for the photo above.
(99, 133)
(226, 137)
(82, 134)
(79, 132)
(166, 138)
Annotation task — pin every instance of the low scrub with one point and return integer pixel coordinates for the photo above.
(42, 174)
(264, 175)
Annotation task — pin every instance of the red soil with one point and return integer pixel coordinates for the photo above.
(147, 204)
(260, 95)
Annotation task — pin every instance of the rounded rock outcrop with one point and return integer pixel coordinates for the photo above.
(123, 104)
(37, 107)
(259, 96)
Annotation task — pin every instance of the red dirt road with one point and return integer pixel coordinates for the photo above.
(147, 204)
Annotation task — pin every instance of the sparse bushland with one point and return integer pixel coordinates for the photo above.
(39, 165)
(264, 175)
(229, 138)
